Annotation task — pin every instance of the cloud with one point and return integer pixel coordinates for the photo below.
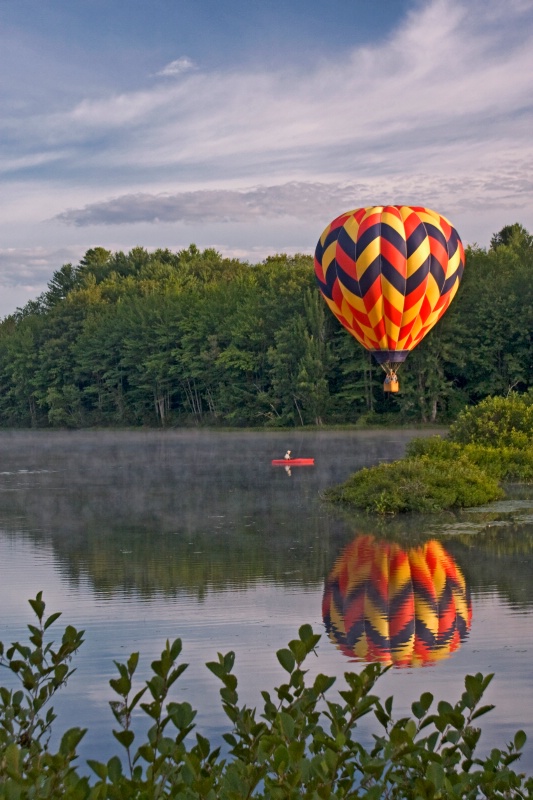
(443, 81)
(30, 267)
(311, 201)
(216, 205)
(177, 67)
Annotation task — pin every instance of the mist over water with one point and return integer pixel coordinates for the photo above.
(144, 536)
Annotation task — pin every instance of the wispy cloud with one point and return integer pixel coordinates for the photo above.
(217, 205)
(308, 201)
(442, 82)
(177, 67)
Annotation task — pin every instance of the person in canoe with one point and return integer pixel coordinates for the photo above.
(287, 455)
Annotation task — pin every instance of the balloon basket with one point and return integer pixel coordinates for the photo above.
(391, 384)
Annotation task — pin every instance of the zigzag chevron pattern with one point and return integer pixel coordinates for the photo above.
(388, 273)
(406, 608)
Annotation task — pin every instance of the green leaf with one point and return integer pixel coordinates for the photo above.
(71, 740)
(286, 659)
(296, 751)
(474, 688)
(381, 716)
(281, 758)
(305, 633)
(147, 752)
(175, 649)
(230, 682)
(229, 696)
(435, 773)
(287, 724)
(51, 619)
(298, 649)
(99, 769)
(133, 660)
(444, 707)
(432, 740)
(203, 745)
(482, 710)
(125, 738)
(114, 768)
(323, 683)
(60, 673)
(229, 661)
(38, 606)
(216, 668)
(72, 636)
(136, 698)
(181, 714)
(11, 757)
(520, 739)
(121, 686)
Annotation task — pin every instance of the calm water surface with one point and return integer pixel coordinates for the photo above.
(147, 536)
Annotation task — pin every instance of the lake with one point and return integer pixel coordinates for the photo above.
(139, 537)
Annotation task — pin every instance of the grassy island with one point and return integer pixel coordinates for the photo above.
(488, 444)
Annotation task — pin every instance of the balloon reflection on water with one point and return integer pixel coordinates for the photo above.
(407, 607)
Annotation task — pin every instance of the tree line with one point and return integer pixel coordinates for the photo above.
(192, 338)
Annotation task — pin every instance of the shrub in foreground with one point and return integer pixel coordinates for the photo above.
(303, 745)
(416, 484)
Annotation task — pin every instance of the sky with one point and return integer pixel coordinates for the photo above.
(248, 126)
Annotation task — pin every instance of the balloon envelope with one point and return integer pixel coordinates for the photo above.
(388, 273)
(403, 607)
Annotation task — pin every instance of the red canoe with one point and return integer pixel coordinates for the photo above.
(293, 462)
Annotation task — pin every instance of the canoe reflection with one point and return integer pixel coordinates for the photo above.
(403, 607)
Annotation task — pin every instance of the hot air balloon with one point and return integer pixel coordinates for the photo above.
(388, 273)
(403, 607)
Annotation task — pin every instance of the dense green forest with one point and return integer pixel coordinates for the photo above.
(191, 338)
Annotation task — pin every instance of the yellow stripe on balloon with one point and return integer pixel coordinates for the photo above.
(376, 313)
(431, 217)
(395, 298)
(328, 257)
(409, 314)
(365, 259)
(396, 222)
(351, 226)
(432, 319)
(355, 302)
(402, 343)
(368, 332)
(418, 257)
(453, 264)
